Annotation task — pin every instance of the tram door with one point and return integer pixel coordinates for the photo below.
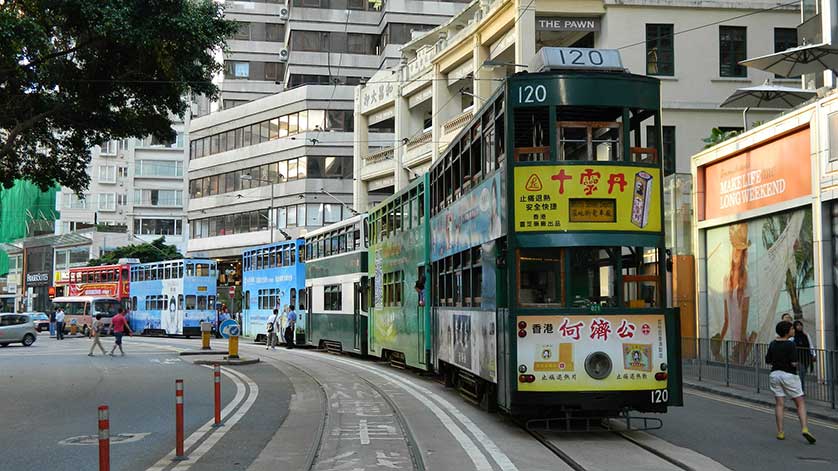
(420, 311)
(356, 316)
(308, 327)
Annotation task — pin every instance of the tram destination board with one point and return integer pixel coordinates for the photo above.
(592, 210)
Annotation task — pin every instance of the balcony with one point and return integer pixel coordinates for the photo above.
(378, 163)
(451, 127)
(419, 146)
(380, 155)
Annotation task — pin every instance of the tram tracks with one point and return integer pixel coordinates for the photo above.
(581, 451)
(363, 408)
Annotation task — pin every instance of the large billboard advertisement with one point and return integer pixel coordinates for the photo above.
(772, 173)
(591, 352)
(757, 270)
(467, 339)
(558, 198)
(469, 221)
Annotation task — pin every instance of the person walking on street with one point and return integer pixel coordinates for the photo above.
(59, 324)
(120, 327)
(805, 352)
(783, 379)
(291, 327)
(271, 328)
(98, 326)
(52, 322)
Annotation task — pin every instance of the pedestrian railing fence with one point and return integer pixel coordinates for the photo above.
(743, 364)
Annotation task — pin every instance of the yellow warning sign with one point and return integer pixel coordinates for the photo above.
(533, 183)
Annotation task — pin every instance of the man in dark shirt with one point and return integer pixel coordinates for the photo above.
(783, 379)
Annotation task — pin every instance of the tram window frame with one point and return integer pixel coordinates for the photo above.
(332, 297)
(590, 141)
(560, 262)
(202, 303)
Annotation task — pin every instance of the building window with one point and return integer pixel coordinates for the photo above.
(272, 71)
(732, 50)
(332, 298)
(274, 32)
(107, 202)
(668, 148)
(107, 174)
(243, 32)
(121, 199)
(660, 49)
(108, 148)
(71, 201)
(161, 198)
(158, 168)
(143, 226)
(785, 38)
(236, 70)
(229, 224)
(122, 172)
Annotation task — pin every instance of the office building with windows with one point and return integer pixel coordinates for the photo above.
(136, 184)
(694, 48)
(283, 44)
(274, 163)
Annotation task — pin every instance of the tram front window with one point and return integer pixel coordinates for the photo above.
(540, 280)
(593, 277)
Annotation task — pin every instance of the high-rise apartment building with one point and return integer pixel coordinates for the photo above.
(262, 167)
(135, 183)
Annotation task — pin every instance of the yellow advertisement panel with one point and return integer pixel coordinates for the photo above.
(591, 353)
(595, 197)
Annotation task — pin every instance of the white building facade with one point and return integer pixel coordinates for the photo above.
(693, 47)
(135, 183)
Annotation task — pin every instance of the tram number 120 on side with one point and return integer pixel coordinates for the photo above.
(532, 94)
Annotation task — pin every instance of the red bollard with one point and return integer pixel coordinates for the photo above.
(104, 439)
(216, 376)
(180, 455)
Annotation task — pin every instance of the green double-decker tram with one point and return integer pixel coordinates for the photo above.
(399, 317)
(336, 285)
(528, 265)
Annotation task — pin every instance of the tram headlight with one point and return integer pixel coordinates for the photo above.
(522, 325)
(522, 333)
(598, 365)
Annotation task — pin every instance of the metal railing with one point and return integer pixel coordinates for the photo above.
(742, 364)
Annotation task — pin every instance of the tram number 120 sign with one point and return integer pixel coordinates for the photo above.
(532, 94)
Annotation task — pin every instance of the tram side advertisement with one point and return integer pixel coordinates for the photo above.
(592, 353)
(467, 338)
(554, 198)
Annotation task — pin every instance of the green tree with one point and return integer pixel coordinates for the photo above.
(77, 73)
(156, 251)
(718, 136)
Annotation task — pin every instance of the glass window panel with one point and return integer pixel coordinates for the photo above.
(292, 169)
(301, 168)
(283, 126)
(274, 130)
(316, 118)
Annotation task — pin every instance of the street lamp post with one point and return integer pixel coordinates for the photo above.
(249, 177)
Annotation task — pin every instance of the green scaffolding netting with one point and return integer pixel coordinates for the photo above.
(25, 210)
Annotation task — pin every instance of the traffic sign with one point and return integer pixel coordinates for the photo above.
(229, 328)
(232, 291)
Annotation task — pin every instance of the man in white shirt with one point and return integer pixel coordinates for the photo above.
(271, 328)
(59, 324)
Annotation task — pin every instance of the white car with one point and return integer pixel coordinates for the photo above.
(17, 328)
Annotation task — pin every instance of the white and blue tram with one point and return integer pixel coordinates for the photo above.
(273, 278)
(173, 297)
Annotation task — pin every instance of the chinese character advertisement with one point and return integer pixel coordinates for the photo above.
(554, 198)
(554, 349)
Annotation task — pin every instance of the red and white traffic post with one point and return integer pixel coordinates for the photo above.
(104, 439)
(216, 377)
(180, 455)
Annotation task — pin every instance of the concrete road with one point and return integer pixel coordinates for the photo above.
(302, 410)
(51, 392)
(740, 435)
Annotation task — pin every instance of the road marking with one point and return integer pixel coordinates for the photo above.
(477, 457)
(763, 409)
(116, 439)
(497, 455)
(219, 432)
(364, 432)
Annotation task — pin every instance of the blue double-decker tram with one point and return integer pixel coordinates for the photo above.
(172, 297)
(273, 278)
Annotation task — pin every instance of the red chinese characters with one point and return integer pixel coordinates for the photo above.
(616, 179)
(626, 330)
(562, 176)
(600, 329)
(589, 179)
(568, 330)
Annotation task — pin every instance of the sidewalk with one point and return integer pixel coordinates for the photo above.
(816, 409)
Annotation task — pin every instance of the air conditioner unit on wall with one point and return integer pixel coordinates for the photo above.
(283, 54)
(283, 13)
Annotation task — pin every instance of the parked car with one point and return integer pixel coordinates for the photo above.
(41, 321)
(17, 328)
